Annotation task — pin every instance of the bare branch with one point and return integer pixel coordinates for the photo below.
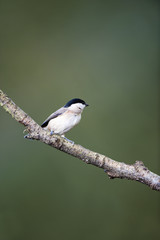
(114, 169)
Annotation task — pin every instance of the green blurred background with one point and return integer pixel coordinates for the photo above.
(105, 52)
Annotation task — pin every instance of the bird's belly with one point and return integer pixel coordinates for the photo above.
(63, 124)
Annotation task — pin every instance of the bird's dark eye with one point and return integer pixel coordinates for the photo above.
(79, 108)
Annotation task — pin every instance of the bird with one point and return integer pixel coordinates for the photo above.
(65, 118)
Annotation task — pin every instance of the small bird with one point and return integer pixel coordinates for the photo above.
(65, 118)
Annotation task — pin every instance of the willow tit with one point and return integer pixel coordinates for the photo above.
(65, 118)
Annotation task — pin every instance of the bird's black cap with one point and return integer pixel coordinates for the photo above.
(75, 100)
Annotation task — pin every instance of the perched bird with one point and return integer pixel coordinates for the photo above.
(65, 118)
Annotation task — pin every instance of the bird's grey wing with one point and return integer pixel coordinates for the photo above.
(54, 115)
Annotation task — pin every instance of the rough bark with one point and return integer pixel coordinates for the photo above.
(114, 169)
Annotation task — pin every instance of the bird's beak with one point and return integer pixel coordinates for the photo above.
(87, 105)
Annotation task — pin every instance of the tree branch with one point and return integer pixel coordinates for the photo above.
(114, 169)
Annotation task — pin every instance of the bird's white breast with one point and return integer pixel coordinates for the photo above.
(64, 122)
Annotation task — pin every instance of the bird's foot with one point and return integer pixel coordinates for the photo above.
(68, 139)
(51, 133)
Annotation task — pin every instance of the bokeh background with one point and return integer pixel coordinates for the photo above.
(105, 52)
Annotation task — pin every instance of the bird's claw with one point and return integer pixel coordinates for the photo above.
(51, 133)
(68, 140)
